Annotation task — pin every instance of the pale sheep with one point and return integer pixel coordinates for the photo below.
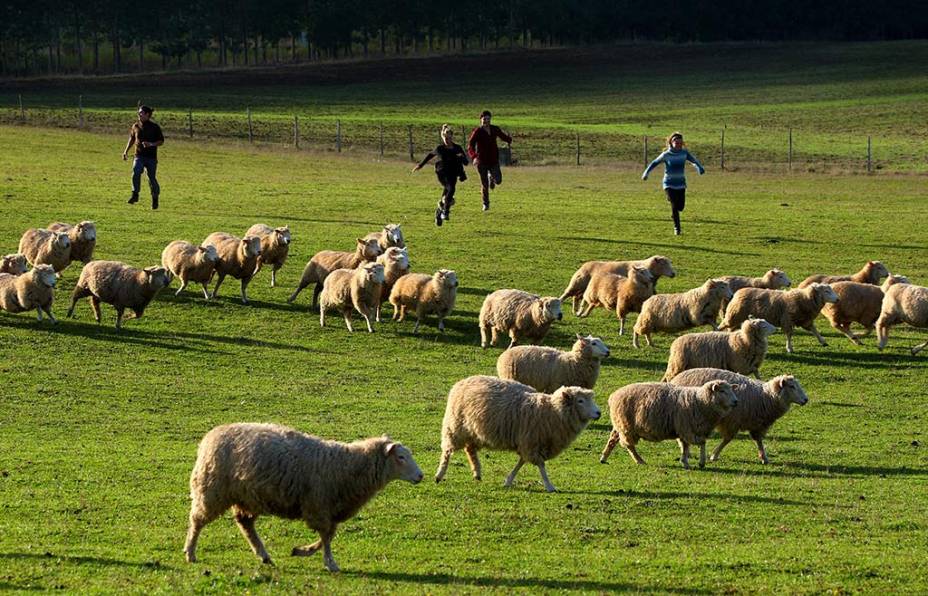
(774, 279)
(486, 412)
(14, 264)
(519, 314)
(741, 351)
(275, 246)
(871, 273)
(857, 303)
(903, 303)
(425, 294)
(327, 261)
(34, 289)
(759, 404)
(347, 289)
(617, 292)
(676, 312)
(118, 284)
(83, 238)
(190, 263)
(786, 310)
(44, 247)
(390, 235)
(267, 469)
(658, 265)
(238, 257)
(546, 369)
(395, 263)
(661, 411)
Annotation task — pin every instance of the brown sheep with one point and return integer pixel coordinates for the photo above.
(238, 257)
(774, 279)
(857, 303)
(676, 312)
(190, 263)
(871, 273)
(35, 289)
(395, 263)
(519, 314)
(658, 265)
(345, 289)
(14, 264)
(390, 235)
(46, 247)
(616, 292)
(83, 238)
(120, 285)
(425, 294)
(327, 261)
(275, 246)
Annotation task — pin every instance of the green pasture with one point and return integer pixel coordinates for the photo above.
(98, 428)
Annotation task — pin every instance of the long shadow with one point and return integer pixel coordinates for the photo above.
(671, 495)
(243, 341)
(473, 291)
(667, 247)
(897, 246)
(462, 333)
(859, 470)
(828, 357)
(834, 404)
(83, 560)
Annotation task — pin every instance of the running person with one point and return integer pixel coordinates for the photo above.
(448, 169)
(147, 137)
(674, 159)
(481, 146)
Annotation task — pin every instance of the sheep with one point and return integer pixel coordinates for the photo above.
(190, 263)
(661, 411)
(787, 310)
(546, 369)
(120, 285)
(623, 294)
(46, 247)
(871, 273)
(83, 238)
(486, 412)
(395, 263)
(741, 351)
(390, 235)
(658, 266)
(903, 303)
(676, 312)
(352, 288)
(519, 314)
(275, 246)
(35, 289)
(269, 469)
(426, 294)
(759, 404)
(327, 261)
(774, 279)
(238, 257)
(14, 264)
(857, 303)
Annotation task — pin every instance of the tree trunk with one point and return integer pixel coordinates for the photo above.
(141, 55)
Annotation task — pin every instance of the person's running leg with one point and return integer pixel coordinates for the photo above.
(484, 174)
(497, 175)
(151, 168)
(677, 199)
(450, 185)
(137, 166)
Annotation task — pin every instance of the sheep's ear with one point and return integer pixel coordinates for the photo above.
(736, 387)
(362, 240)
(566, 395)
(390, 448)
(777, 384)
(580, 337)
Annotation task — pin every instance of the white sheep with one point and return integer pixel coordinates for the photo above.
(347, 289)
(658, 265)
(617, 292)
(46, 247)
(903, 303)
(266, 469)
(190, 263)
(857, 303)
(661, 411)
(34, 289)
(676, 312)
(546, 369)
(395, 263)
(83, 238)
(519, 314)
(741, 351)
(14, 264)
(275, 246)
(489, 413)
(327, 261)
(120, 285)
(774, 279)
(759, 404)
(425, 294)
(390, 235)
(871, 273)
(238, 257)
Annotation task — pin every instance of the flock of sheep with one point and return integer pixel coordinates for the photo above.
(542, 397)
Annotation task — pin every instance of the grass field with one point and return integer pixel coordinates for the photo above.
(99, 428)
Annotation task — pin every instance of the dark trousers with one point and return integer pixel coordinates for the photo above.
(677, 199)
(486, 172)
(150, 166)
(448, 184)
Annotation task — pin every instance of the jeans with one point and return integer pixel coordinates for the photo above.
(677, 199)
(150, 165)
(485, 173)
(448, 184)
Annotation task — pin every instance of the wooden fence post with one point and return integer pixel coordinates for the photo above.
(251, 133)
(789, 161)
(80, 111)
(412, 155)
(338, 136)
(190, 123)
(578, 148)
(723, 148)
(296, 132)
(22, 110)
(869, 155)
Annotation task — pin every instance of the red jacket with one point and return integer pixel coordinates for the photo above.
(482, 145)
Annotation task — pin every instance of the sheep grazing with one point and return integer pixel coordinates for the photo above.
(359, 289)
(395, 263)
(857, 303)
(120, 285)
(83, 239)
(676, 312)
(616, 292)
(546, 369)
(772, 280)
(661, 411)
(425, 294)
(14, 264)
(787, 310)
(190, 263)
(259, 469)
(327, 261)
(491, 413)
(659, 266)
(35, 289)
(740, 351)
(871, 273)
(390, 235)
(238, 257)
(903, 303)
(275, 246)
(44, 247)
(520, 315)
(759, 404)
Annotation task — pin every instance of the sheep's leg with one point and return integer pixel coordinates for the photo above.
(197, 523)
(585, 312)
(48, 311)
(761, 450)
(316, 291)
(78, 293)
(513, 339)
(377, 312)
(183, 286)
(441, 323)
(446, 451)
(544, 477)
(471, 452)
(483, 336)
(494, 335)
(367, 318)
(219, 279)
(882, 332)
(512, 475)
(647, 337)
(246, 523)
(274, 276)
(347, 314)
(717, 454)
(396, 311)
(614, 438)
(205, 292)
(296, 292)
(629, 444)
(846, 330)
(330, 563)
(578, 304)
(402, 313)
(789, 340)
(622, 323)
(811, 329)
(95, 307)
(244, 288)
(308, 550)
(119, 314)
(321, 316)
(702, 454)
(38, 312)
(684, 453)
(919, 348)
(635, 341)
(420, 314)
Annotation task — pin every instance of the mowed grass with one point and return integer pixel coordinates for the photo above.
(99, 428)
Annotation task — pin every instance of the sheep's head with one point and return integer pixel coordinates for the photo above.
(394, 235)
(550, 308)
(14, 264)
(283, 235)
(580, 401)
(251, 246)
(87, 231)
(373, 273)
(718, 288)
(758, 328)
(640, 276)
(892, 280)
(60, 240)
(208, 253)
(369, 249)
(157, 277)
(398, 257)
(877, 269)
(400, 464)
(660, 267)
(591, 347)
(44, 275)
(776, 279)
(446, 278)
(823, 293)
(788, 390)
(722, 395)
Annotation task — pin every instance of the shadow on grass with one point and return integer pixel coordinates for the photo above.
(825, 356)
(82, 560)
(672, 495)
(661, 246)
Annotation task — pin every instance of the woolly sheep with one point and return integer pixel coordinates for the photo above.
(619, 293)
(352, 288)
(425, 294)
(327, 261)
(787, 310)
(741, 351)
(275, 246)
(259, 469)
(676, 312)
(903, 303)
(857, 303)
(774, 279)
(14, 264)
(83, 239)
(395, 263)
(661, 411)
(519, 314)
(46, 247)
(759, 404)
(35, 289)
(190, 263)
(390, 235)
(120, 285)
(486, 412)
(658, 265)
(238, 257)
(871, 273)
(546, 369)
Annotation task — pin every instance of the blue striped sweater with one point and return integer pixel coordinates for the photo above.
(674, 163)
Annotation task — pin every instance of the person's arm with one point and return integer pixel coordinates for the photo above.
(691, 158)
(125, 154)
(499, 133)
(460, 151)
(652, 165)
(472, 145)
(424, 161)
(156, 143)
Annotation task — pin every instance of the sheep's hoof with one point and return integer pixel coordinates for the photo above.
(333, 567)
(550, 489)
(602, 460)
(266, 560)
(713, 458)
(191, 558)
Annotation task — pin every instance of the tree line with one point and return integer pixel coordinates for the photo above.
(103, 36)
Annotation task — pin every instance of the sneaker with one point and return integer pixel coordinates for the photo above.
(492, 183)
(486, 206)
(438, 217)
(677, 232)
(446, 215)
(154, 202)
(134, 198)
